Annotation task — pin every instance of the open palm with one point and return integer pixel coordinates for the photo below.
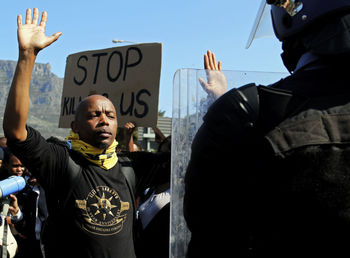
(216, 83)
(31, 36)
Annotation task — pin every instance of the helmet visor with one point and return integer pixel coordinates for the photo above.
(263, 25)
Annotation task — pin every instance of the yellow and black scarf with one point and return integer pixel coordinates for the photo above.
(106, 159)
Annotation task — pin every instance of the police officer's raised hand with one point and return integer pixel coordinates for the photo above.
(216, 83)
(31, 35)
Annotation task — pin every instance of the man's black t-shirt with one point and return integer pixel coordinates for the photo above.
(98, 217)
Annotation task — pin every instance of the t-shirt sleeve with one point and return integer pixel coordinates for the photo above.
(46, 161)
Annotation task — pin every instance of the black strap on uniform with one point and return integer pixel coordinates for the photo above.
(248, 99)
(265, 107)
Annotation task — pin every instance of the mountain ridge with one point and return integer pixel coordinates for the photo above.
(45, 98)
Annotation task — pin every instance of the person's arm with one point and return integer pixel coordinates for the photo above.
(129, 128)
(159, 135)
(15, 211)
(31, 39)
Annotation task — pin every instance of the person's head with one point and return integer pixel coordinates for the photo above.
(96, 121)
(12, 164)
(316, 26)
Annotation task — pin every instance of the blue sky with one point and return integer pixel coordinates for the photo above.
(185, 28)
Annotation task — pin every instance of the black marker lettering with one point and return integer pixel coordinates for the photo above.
(110, 78)
(71, 106)
(65, 106)
(131, 106)
(127, 59)
(83, 68)
(97, 64)
(142, 103)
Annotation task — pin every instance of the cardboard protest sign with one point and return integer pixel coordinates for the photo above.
(129, 76)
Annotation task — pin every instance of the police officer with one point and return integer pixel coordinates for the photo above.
(269, 173)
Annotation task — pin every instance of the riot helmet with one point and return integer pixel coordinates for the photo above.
(320, 28)
(291, 17)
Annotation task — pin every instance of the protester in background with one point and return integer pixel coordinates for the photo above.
(12, 166)
(32, 201)
(14, 215)
(24, 229)
(153, 195)
(269, 173)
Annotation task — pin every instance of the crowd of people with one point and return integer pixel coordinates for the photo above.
(269, 173)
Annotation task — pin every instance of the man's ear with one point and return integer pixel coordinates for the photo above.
(73, 126)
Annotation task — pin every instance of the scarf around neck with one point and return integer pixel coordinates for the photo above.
(105, 158)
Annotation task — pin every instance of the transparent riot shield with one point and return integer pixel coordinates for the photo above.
(190, 103)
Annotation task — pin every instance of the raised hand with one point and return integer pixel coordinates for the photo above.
(31, 39)
(129, 128)
(31, 35)
(216, 83)
(13, 208)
